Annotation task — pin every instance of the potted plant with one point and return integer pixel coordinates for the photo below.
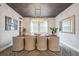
(54, 30)
(24, 31)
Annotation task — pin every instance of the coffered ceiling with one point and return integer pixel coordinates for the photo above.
(39, 9)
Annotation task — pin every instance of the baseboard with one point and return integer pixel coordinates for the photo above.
(73, 48)
(5, 47)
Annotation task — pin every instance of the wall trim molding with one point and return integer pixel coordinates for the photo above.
(5, 47)
(73, 48)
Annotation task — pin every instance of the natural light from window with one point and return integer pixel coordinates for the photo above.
(39, 26)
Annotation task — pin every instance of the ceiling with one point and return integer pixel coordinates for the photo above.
(39, 9)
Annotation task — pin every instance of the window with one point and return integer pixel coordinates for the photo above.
(39, 27)
(43, 27)
(34, 27)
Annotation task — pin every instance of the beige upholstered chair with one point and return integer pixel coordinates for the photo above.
(53, 43)
(41, 43)
(18, 43)
(30, 42)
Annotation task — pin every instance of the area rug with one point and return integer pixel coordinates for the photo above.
(9, 52)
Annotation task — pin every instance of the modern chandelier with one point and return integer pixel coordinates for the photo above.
(37, 17)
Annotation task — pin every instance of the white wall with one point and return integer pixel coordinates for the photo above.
(72, 40)
(6, 36)
(51, 23)
(27, 21)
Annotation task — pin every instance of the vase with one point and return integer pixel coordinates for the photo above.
(54, 34)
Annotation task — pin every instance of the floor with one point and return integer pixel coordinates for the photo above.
(64, 51)
(9, 52)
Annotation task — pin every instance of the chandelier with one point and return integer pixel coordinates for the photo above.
(37, 17)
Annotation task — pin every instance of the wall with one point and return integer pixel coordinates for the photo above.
(71, 40)
(27, 21)
(51, 23)
(6, 36)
